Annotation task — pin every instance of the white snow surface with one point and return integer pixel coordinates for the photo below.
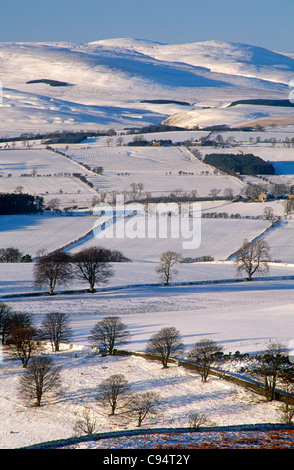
(109, 81)
(160, 169)
(181, 392)
(240, 316)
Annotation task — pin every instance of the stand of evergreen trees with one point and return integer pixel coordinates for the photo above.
(247, 164)
(11, 203)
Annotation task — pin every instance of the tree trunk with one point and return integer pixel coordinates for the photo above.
(91, 288)
(51, 287)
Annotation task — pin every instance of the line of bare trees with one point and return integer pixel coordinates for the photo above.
(90, 265)
(41, 377)
(167, 343)
(22, 337)
(271, 368)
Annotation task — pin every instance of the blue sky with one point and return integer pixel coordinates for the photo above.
(258, 22)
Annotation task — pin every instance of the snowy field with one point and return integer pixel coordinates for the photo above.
(159, 169)
(43, 162)
(44, 173)
(31, 233)
(236, 313)
(203, 239)
(279, 156)
(235, 116)
(278, 133)
(68, 190)
(50, 232)
(240, 316)
(181, 393)
(267, 152)
(123, 138)
(280, 240)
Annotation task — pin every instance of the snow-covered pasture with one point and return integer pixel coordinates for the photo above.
(218, 238)
(160, 169)
(123, 138)
(18, 278)
(180, 394)
(45, 173)
(49, 232)
(269, 153)
(240, 316)
(69, 190)
(280, 240)
(43, 162)
(235, 116)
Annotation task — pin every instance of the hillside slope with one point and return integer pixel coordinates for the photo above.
(105, 83)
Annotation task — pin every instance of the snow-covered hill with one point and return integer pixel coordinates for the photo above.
(107, 83)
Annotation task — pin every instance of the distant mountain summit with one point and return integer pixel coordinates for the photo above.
(218, 56)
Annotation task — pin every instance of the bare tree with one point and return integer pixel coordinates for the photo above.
(140, 187)
(19, 190)
(269, 367)
(52, 269)
(203, 353)
(197, 419)
(164, 343)
(165, 268)
(214, 193)
(253, 190)
(54, 204)
(142, 405)
(56, 328)
(286, 375)
(228, 193)
(23, 342)
(12, 320)
(112, 389)
(86, 424)
(253, 257)
(288, 206)
(287, 411)
(20, 320)
(268, 213)
(92, 266)
(109, 332)
(40, 377)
